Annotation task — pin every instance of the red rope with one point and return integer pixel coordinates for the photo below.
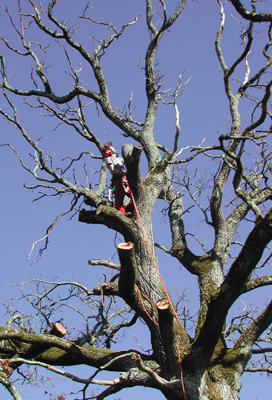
(153, 258)
(102, 291)
(181, 373)
(164, 287)
(149, 316)
(102, 296)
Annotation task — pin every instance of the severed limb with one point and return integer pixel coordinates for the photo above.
(127, 279)
(57, 330)
(169, 339)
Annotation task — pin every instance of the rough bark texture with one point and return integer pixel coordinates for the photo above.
(202, 366)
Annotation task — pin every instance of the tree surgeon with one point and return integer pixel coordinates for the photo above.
(119, 182)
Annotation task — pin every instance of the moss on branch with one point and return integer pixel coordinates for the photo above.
(233, 285)
(57, 351)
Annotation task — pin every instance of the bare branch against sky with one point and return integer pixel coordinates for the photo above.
(159, 278)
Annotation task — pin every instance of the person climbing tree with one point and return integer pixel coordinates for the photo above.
(119, 182)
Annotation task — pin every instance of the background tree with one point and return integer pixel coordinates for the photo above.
(201, 360)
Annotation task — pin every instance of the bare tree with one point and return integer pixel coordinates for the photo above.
(208, 363)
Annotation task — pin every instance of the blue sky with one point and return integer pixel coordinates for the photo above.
(188, 47)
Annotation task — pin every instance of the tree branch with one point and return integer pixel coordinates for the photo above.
(160, 381)
(106, 263)
(233, 285)
(255, 329)
(257, 283)
(251, 16)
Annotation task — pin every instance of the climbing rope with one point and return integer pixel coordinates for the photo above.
(149, 316)
(164, 287)
(153, 258)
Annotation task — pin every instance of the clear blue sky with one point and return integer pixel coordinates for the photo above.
(187, 47)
